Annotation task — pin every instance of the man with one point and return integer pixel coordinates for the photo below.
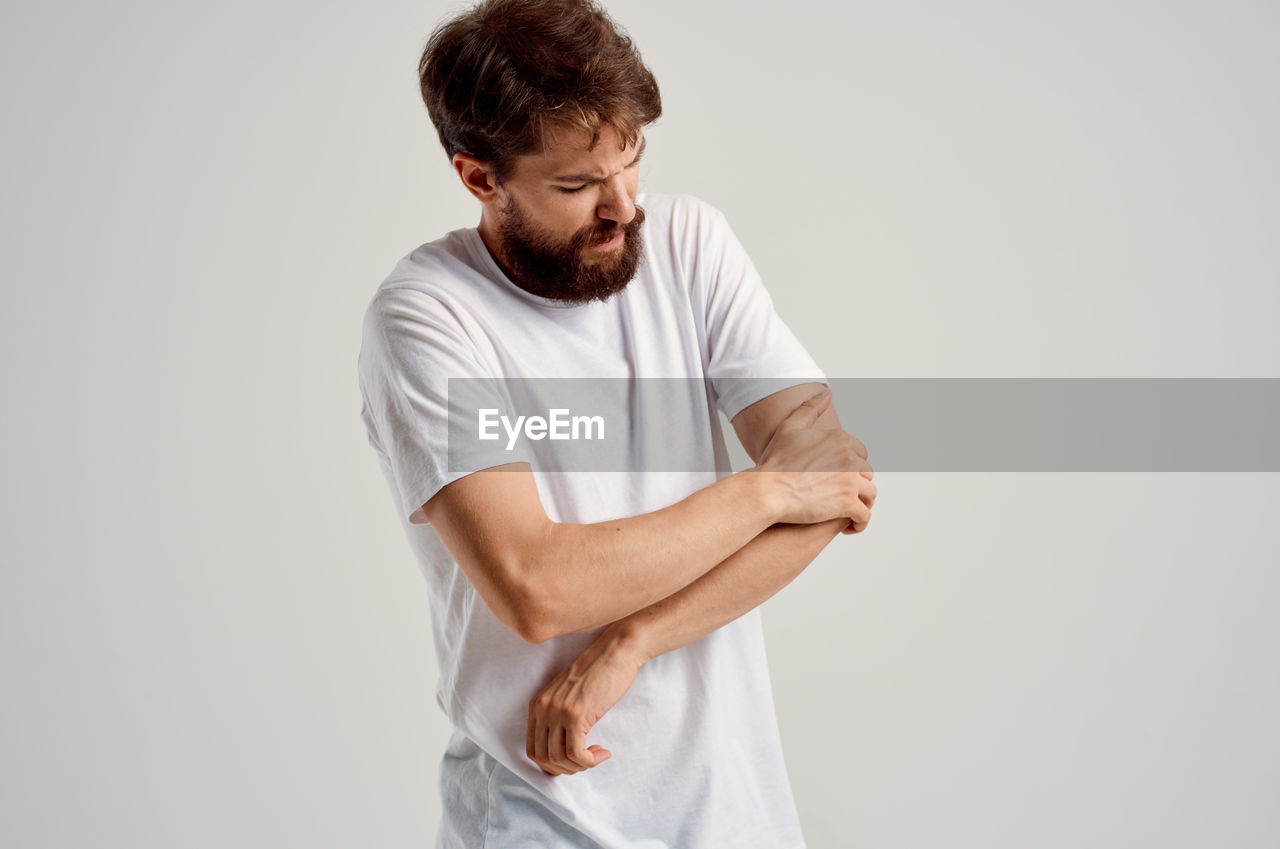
(569, 606)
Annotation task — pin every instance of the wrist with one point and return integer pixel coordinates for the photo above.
(764, 488)
(625, 640)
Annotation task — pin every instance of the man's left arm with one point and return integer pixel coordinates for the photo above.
(562, 713)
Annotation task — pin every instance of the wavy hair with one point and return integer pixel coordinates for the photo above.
(500, 77)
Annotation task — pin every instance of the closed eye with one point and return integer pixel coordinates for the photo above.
(634, 163)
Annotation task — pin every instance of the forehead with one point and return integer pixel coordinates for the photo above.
(568, 150)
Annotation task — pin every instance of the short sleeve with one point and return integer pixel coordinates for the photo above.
(411, 348)
(751, 352)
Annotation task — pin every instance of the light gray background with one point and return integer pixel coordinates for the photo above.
(213, 632)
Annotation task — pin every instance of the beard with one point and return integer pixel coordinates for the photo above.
(545, 267)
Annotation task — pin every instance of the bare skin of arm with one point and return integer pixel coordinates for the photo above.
(563, 712)
(543, 578)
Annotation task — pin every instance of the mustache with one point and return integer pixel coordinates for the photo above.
(604, 234)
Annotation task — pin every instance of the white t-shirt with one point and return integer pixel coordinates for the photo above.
(696, 755)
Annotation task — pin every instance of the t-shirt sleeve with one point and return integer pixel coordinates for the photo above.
(411, 348)
(751, 353)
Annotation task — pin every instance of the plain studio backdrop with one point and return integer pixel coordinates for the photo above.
(214, 634)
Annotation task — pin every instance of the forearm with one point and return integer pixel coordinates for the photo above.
(587, 575)
(742, 582)
(564, 711)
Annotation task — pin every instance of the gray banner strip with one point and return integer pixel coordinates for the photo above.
(1064, 424)
(907, 424)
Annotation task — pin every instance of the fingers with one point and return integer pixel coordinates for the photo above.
(583, 755)
(566, 709)
(861, 512)
(555, 748)
(568, 753)
(536, 739)
(576, 757)
(859, 524)
(540, 754)
(867, 490)
(809, 410)
(530, 747)
(848, 453)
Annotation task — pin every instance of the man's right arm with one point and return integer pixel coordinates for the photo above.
(543, 578)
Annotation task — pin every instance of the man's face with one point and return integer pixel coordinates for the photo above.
(569, 228)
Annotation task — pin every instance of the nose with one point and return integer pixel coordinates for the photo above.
(616, 203)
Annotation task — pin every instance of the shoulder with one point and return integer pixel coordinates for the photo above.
(429, 284)
(422, 316)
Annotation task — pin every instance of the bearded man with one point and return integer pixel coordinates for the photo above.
(601, 656)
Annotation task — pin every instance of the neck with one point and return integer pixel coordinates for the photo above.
(489, 236)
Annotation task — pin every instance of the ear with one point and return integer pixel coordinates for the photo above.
(476, 176)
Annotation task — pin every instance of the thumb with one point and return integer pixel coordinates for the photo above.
(807, 413)
(602, 754)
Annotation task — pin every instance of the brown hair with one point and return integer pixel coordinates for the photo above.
(497, 78)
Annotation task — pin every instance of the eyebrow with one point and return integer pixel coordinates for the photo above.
(595, 178)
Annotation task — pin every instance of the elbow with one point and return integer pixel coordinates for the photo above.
(534, 632)
(525, 607)
(535, 593)
(532, 622)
